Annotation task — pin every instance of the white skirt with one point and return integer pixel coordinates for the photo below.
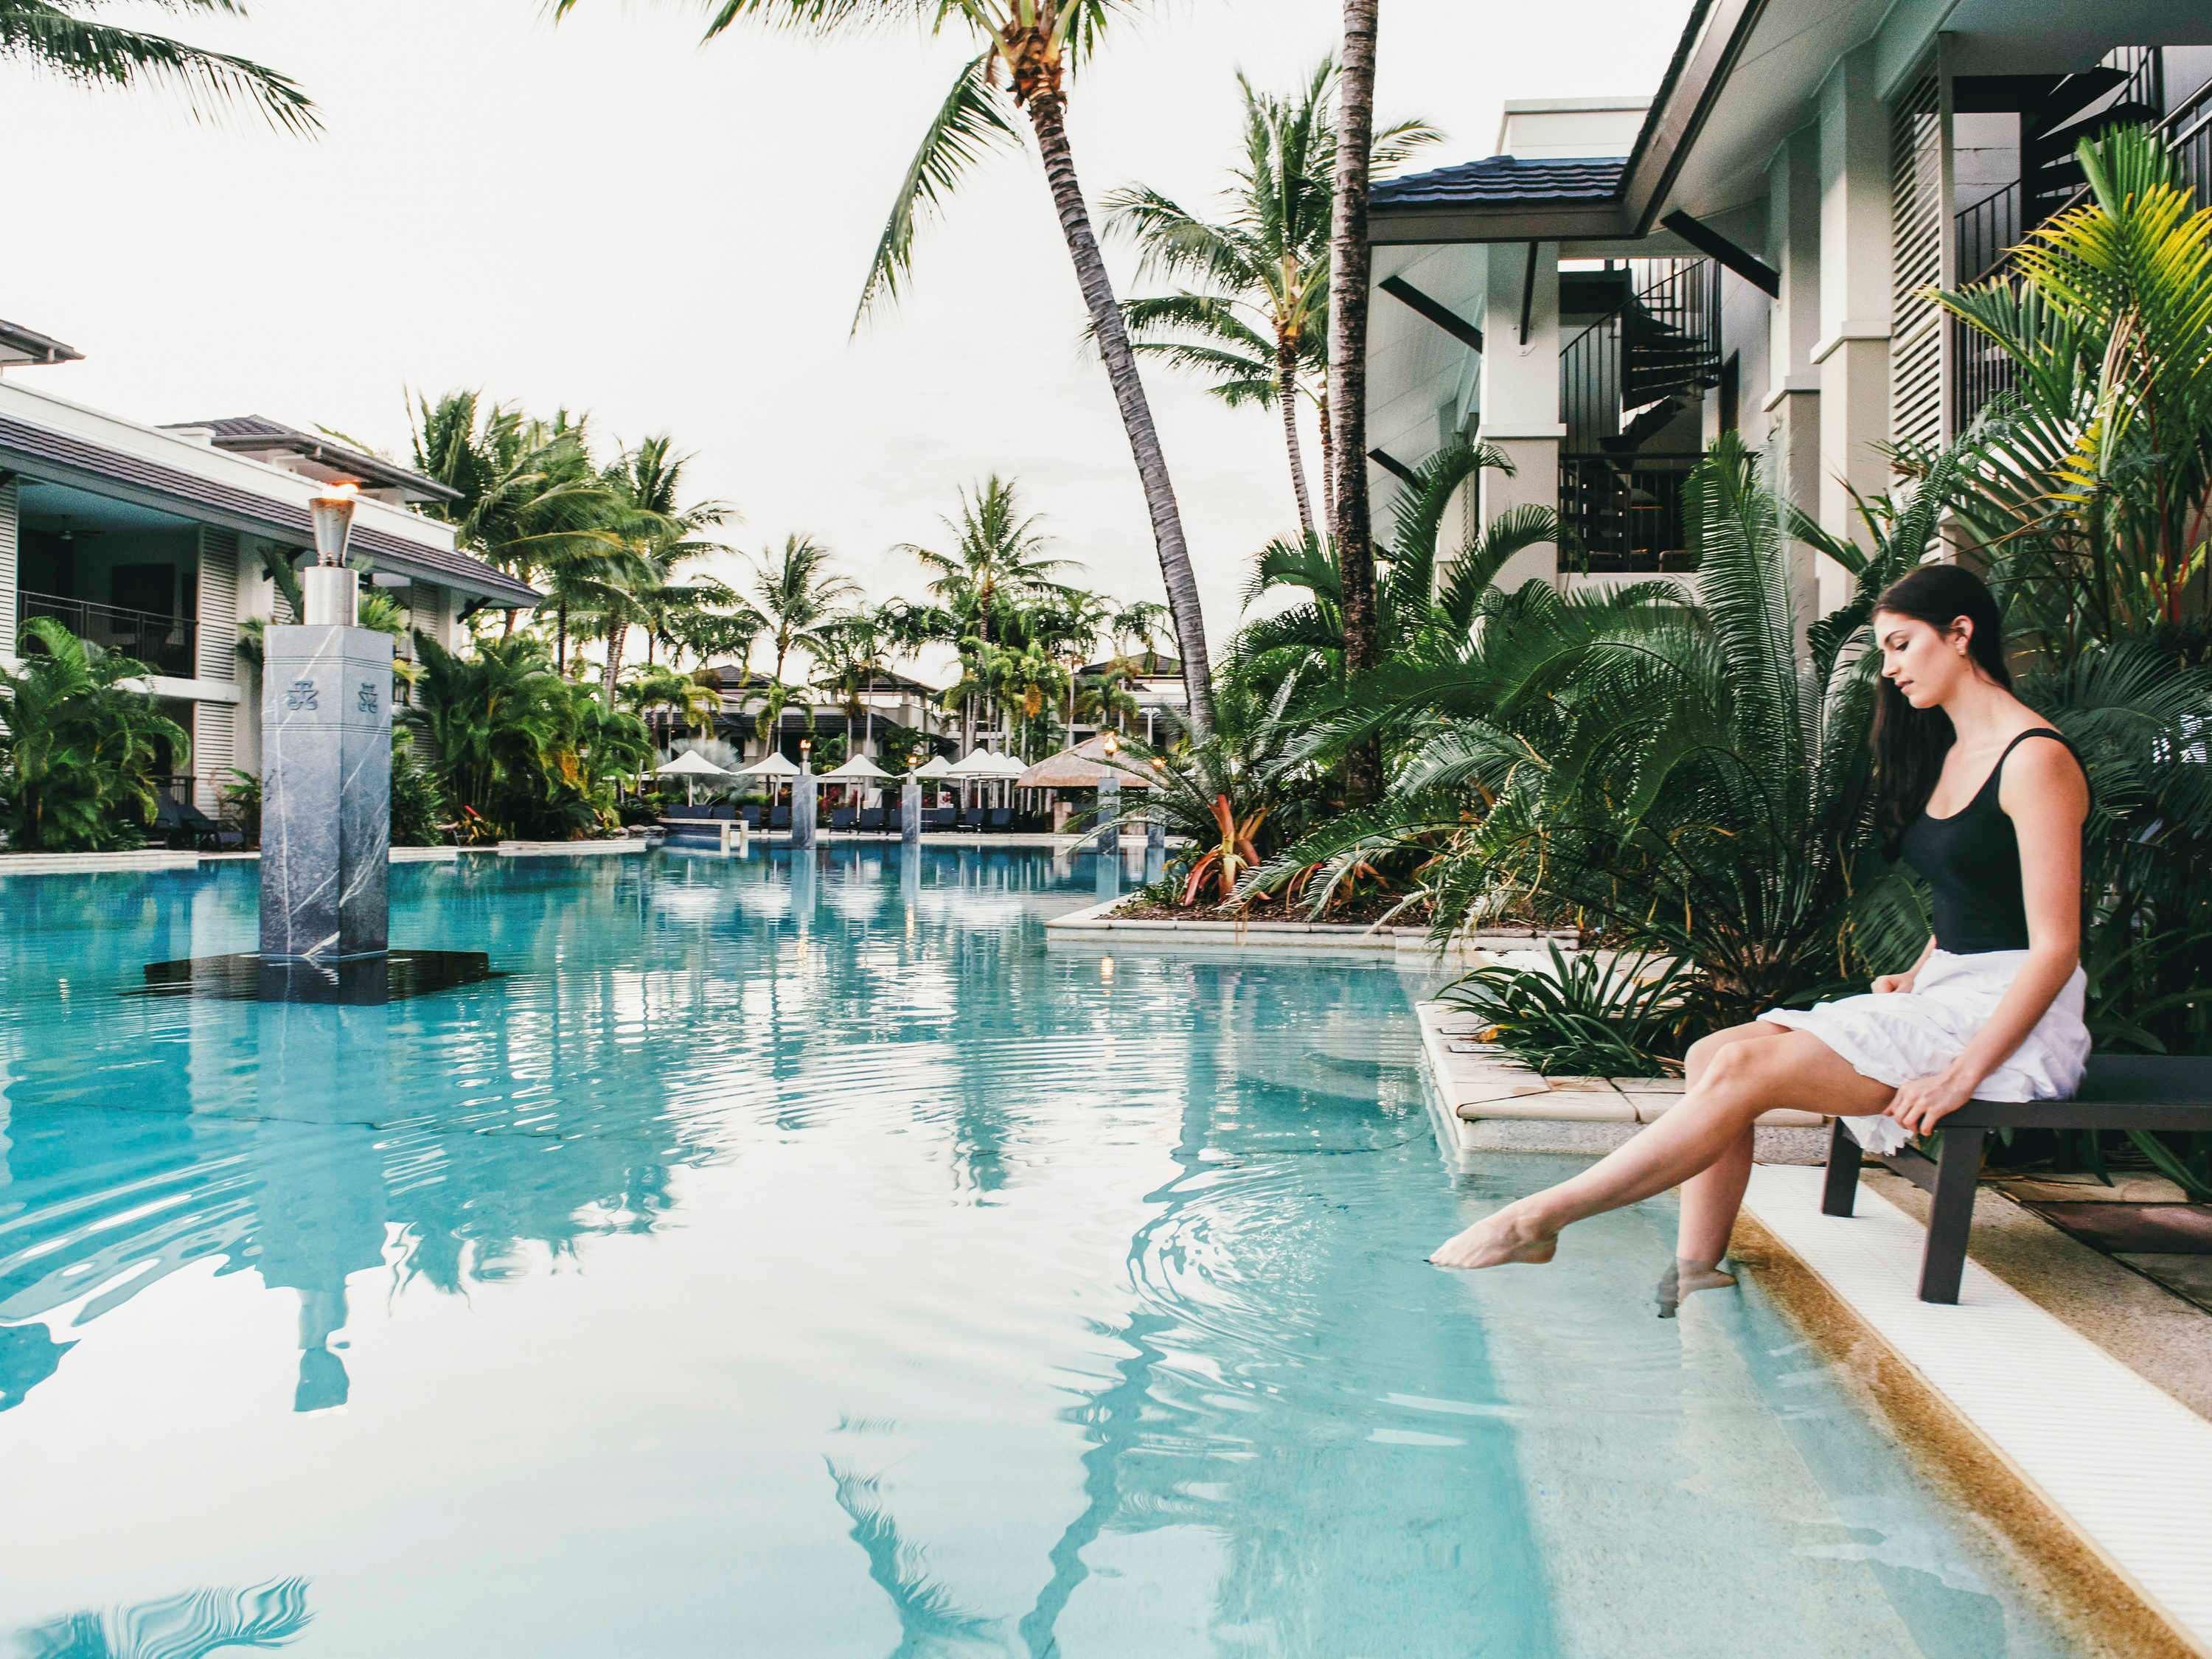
(1908, 1034)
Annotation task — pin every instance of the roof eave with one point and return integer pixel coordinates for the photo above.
(1506, 221)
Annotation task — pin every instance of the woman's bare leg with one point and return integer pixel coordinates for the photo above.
(1711, 1197)
(1742, 1080)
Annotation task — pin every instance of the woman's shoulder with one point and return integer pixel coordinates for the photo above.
(2039, 759)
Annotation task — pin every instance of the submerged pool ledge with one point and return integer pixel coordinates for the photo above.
(2118, 1461)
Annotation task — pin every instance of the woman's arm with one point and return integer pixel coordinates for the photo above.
(2045, 796)
(1886, 984)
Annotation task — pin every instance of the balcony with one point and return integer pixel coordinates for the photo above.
(167, 645)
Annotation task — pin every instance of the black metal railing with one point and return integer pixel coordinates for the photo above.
(1988, 232)
(1662, 342)
(167, 645)
(1626, 514)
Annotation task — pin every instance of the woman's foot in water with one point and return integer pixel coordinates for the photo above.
(1496, 1240)
(1685, 1277)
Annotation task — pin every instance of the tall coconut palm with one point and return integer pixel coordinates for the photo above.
(1027, 49)
(531, 500)
(853, 650)
(996, 557)
(662, 533)
(1351, 265)
(1255, 322)
(57, 37)
(798, 593)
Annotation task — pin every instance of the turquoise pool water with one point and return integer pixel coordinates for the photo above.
(797, 1258)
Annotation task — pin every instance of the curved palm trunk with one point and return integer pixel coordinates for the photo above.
(1350, 268)
(1286, 397)
(1048, 116)
(560, 637)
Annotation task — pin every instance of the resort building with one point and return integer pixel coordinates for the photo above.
(159, 542)
(1751, 249)
(887, 701)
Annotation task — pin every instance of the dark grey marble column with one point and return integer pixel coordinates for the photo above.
(326, 791)
(1109, 811)
(910, 811)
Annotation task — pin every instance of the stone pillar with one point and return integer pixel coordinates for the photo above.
(910, 811)
(326, 791)
(1793, 397)
(1110, 812)
(802, 807)
(1519, 395)
(1852, 351)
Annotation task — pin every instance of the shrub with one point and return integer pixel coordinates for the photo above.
(1578, 1015)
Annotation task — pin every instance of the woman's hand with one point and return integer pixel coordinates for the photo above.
(1925, 1102)
(1889, 984)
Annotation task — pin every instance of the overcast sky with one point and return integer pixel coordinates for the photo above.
(608, 215)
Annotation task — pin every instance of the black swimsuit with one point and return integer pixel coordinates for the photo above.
(1971, 862)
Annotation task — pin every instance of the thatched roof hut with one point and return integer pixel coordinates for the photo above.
(1084, 767)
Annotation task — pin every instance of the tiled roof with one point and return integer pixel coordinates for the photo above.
(264, 515)
(256, 432)
(1505, 180)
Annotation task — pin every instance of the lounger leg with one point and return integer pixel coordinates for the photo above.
(1841, 1187)
(1951, 1217)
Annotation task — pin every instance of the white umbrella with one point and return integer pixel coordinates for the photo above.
(772, 765)
(980, 764)
(936, 767)
(691, 766)
(858, 767)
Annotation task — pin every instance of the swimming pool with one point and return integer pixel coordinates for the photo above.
(797, 1256)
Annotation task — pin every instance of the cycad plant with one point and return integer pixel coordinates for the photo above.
(1252, 312)
(79, 747)
(1026, 50)
(1672, 771)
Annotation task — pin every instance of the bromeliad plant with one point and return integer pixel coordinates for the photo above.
(80, 747)
(1584, 1015)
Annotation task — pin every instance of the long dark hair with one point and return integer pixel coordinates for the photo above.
(1909, 743)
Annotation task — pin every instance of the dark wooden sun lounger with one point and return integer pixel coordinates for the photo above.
(779, 817)
(1002, 819)
(871, 820)
(2120, 1091)
(841, 818)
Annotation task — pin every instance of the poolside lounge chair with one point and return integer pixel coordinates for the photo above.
(779, 817)
(871, 820)
(841, 818)
(751, 816)
(937, 820)
(1002, 819)
(2120, 1091)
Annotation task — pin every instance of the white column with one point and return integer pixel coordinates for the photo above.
(1792, 401)
(1852, 351)
(1520, 401)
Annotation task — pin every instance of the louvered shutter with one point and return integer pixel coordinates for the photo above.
(1919, 149)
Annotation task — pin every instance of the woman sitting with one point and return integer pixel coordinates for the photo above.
(1986, 802)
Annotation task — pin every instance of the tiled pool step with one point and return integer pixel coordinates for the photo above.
(1479, 1081)
(2127, 1465)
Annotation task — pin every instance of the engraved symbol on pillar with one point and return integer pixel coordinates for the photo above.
(301, 696)
(365, 700)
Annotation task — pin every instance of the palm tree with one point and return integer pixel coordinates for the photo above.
(1028, 48)
(853, 650)
(995, 568)
(796, 593)
(718, 627)
(662, 534)
(54, 35)
(1351, 265)
(531, 500)
(1256, 321)
(78, 745)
